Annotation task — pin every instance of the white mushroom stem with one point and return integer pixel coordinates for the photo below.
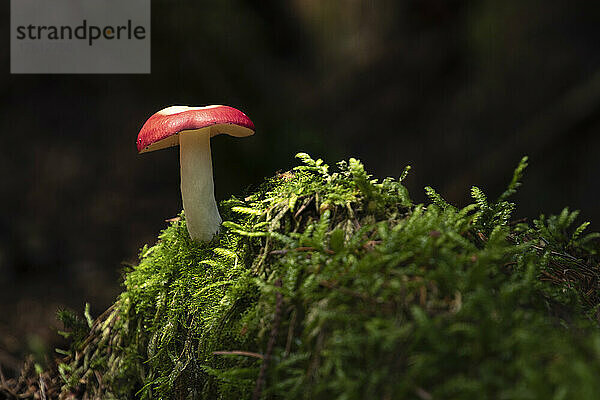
(197, 187)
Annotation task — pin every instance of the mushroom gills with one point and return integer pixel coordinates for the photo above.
(197, 187)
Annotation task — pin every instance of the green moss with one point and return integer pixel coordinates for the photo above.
(338, 286)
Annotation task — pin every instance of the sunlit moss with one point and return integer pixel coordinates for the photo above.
(340, 287)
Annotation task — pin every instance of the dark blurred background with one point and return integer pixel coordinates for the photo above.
(460, 90)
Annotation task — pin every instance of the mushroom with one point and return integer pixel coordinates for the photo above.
(191, 128)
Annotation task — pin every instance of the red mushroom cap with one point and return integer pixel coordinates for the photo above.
(161, 129)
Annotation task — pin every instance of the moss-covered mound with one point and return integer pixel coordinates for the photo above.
(331, 285)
